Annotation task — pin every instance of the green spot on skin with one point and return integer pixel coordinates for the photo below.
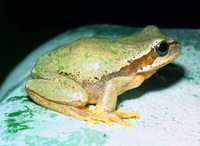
(67, 66)
(65, 54)
(49, 54)
(105, 60)
(60, 67)
(37, 67)
(118, 42)
(110, 60)
(86, 57)
(101, 59)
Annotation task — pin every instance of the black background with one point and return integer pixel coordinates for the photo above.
(25, 24)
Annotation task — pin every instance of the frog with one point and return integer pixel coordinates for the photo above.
(83, 79)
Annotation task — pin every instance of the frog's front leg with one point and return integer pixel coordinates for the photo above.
(106, 103)
(60, 94)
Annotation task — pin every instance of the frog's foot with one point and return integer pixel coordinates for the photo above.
(116, 116)
(82, 114)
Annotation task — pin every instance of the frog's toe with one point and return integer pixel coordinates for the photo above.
(116, 116)
(126, 115)
(92, 114)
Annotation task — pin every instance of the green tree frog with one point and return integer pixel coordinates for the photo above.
(95, 70)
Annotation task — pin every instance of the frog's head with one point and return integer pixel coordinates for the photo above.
(158, 50)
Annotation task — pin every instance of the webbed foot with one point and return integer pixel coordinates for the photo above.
(116, 116)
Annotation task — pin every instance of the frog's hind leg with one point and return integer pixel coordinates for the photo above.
(68, 110)
(67, 99)
(115, 116)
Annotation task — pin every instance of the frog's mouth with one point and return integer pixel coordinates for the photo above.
(152, 62)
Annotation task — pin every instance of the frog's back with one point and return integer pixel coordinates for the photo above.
(88, 59)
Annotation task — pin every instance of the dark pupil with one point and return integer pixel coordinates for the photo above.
(163, 48)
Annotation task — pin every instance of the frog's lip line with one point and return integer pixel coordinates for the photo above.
(153, 67)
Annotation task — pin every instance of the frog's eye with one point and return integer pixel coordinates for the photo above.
(161, 48)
